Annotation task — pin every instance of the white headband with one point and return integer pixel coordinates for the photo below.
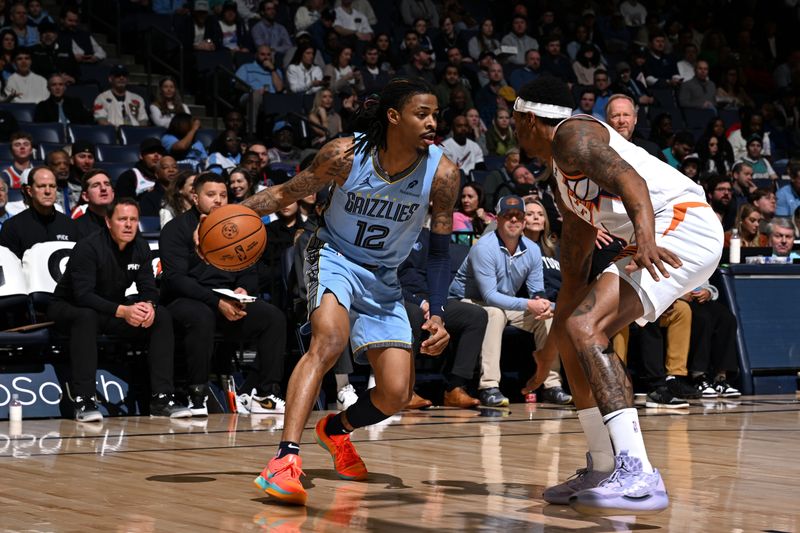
(542, 110)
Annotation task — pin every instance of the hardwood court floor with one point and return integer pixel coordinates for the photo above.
(728, 465)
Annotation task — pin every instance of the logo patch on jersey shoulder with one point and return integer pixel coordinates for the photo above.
(583, 189)
(410, 188)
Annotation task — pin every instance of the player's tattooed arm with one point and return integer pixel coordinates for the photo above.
(444, 192)
(332, 163)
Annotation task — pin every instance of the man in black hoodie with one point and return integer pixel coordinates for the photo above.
(187, 289)
(59, 107)
(90, 299)
(98, 194)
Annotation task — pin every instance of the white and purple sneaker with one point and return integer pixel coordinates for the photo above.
(627, 491)
(584, 478)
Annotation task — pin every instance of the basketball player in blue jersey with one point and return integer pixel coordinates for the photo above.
(674, 244)
(384, 180)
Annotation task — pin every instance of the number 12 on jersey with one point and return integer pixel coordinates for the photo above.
(371, 237)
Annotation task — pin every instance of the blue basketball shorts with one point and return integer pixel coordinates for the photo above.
(372, 296)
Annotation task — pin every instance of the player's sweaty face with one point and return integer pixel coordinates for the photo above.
(418, 119)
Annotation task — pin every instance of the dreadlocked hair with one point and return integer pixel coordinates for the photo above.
(372, 118)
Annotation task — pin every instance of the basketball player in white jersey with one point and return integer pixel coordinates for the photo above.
(674, 242)
(384, 181)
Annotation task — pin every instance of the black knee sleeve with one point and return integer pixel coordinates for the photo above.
(364, 413)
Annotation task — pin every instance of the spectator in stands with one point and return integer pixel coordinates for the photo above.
(302, 38)
(226, 152)
(462, 151)
(59, 107)
(282, 232)
(485, 41)
(631, 87)
(781, 237)
(24, 86)
(262, 75)
(4, 215)
(142, 177)
(586, 103)
(83, 45)
(788, 197)
(489, 97)
(303, 75)
(743, 185)
(556, 63)
(16, 175)
(532, 70)
(341, 72)
(187, 291)
(320, 29)
(712, 159)
(364, 6)
(477, 129)
(48, 58)
(449, 37)
(40, 222)
(622, 116)
(752, 121)
(97, 194)
(325, 121)
(719, 190)
(499, 182)
(501, 137)
(197, 31)
(748, 221)
(485, 61)
(411, 10)
(8, 41)
(660, 69)
(242, 184)
(90, 299)
(68, 193)
(233, 120)
(687, 65)
(487, 279)
(420, 26)
(351, 24)
(468, 323)
(152, 200)
(765, 202)
(762, 170)
(419, 65)
(118, 106)
(716, 128)
(519, 39)
(256, 160)
(690, 167)
(178, 198)
(167, 102)
(602, 91)
(284, 149)
(235, 34)
(699, 92)
(180, 141)
(731, 93)
(373, 77)
(586, 63)
(469, 78)
(681, 147)
(27, 36)
(270, 32)
(470, 216)
(38, 16)
(307, 14)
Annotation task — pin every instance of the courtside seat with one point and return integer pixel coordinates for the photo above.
(115, 153)
(93, 133)
(136, 134)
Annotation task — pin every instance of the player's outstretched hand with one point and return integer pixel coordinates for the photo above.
(652, 258)
(196, 238)
(439, 338)
(542, 370)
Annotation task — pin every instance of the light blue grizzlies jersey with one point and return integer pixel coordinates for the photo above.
(373, 221)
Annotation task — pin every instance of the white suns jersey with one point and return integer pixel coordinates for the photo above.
(605, 210)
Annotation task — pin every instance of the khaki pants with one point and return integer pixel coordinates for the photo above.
(493, 341)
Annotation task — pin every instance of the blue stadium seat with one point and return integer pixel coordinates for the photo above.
(697, 119)
(93, 133)
(45, 132)
(44, 149)
(5, 153)
(15, 195)
(113, 169)
(150, 227)
(21, 112)
(280, 104)
(136, 134)
(206, 136)
(114, 153)
(86, 93)
(479, 176)
(493, 162)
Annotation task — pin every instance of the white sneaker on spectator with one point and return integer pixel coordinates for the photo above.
(346, 397)
(254, 404)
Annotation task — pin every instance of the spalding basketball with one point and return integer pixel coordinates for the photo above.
(232, 237)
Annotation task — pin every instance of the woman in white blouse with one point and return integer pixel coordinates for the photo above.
(167, 102)
(303, 75)
(342, 73)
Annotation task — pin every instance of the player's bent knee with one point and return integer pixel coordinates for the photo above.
(582, 330)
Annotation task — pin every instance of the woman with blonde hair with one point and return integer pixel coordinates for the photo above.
(748, 220)
(325, 121)
(537, 226)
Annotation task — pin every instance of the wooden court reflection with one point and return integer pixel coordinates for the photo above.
(727, 464)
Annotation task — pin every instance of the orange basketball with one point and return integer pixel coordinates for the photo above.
(232, 237)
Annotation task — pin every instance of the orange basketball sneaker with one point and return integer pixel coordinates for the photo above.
(281, 479)
(346, 461)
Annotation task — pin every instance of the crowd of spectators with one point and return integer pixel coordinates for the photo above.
(711, 89)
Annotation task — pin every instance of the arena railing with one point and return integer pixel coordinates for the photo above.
(226, 84)
(153, 57)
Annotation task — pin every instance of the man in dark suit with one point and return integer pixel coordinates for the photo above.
(59, 107)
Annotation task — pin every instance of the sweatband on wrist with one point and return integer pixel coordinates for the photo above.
(438, 272)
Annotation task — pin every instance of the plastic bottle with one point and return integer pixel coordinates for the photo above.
(15, 409)
(735, 248)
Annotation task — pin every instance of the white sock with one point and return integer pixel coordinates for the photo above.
(623, 427)
(342, 380)
(597, 438)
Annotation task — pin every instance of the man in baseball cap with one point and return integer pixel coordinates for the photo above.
(142, 177)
